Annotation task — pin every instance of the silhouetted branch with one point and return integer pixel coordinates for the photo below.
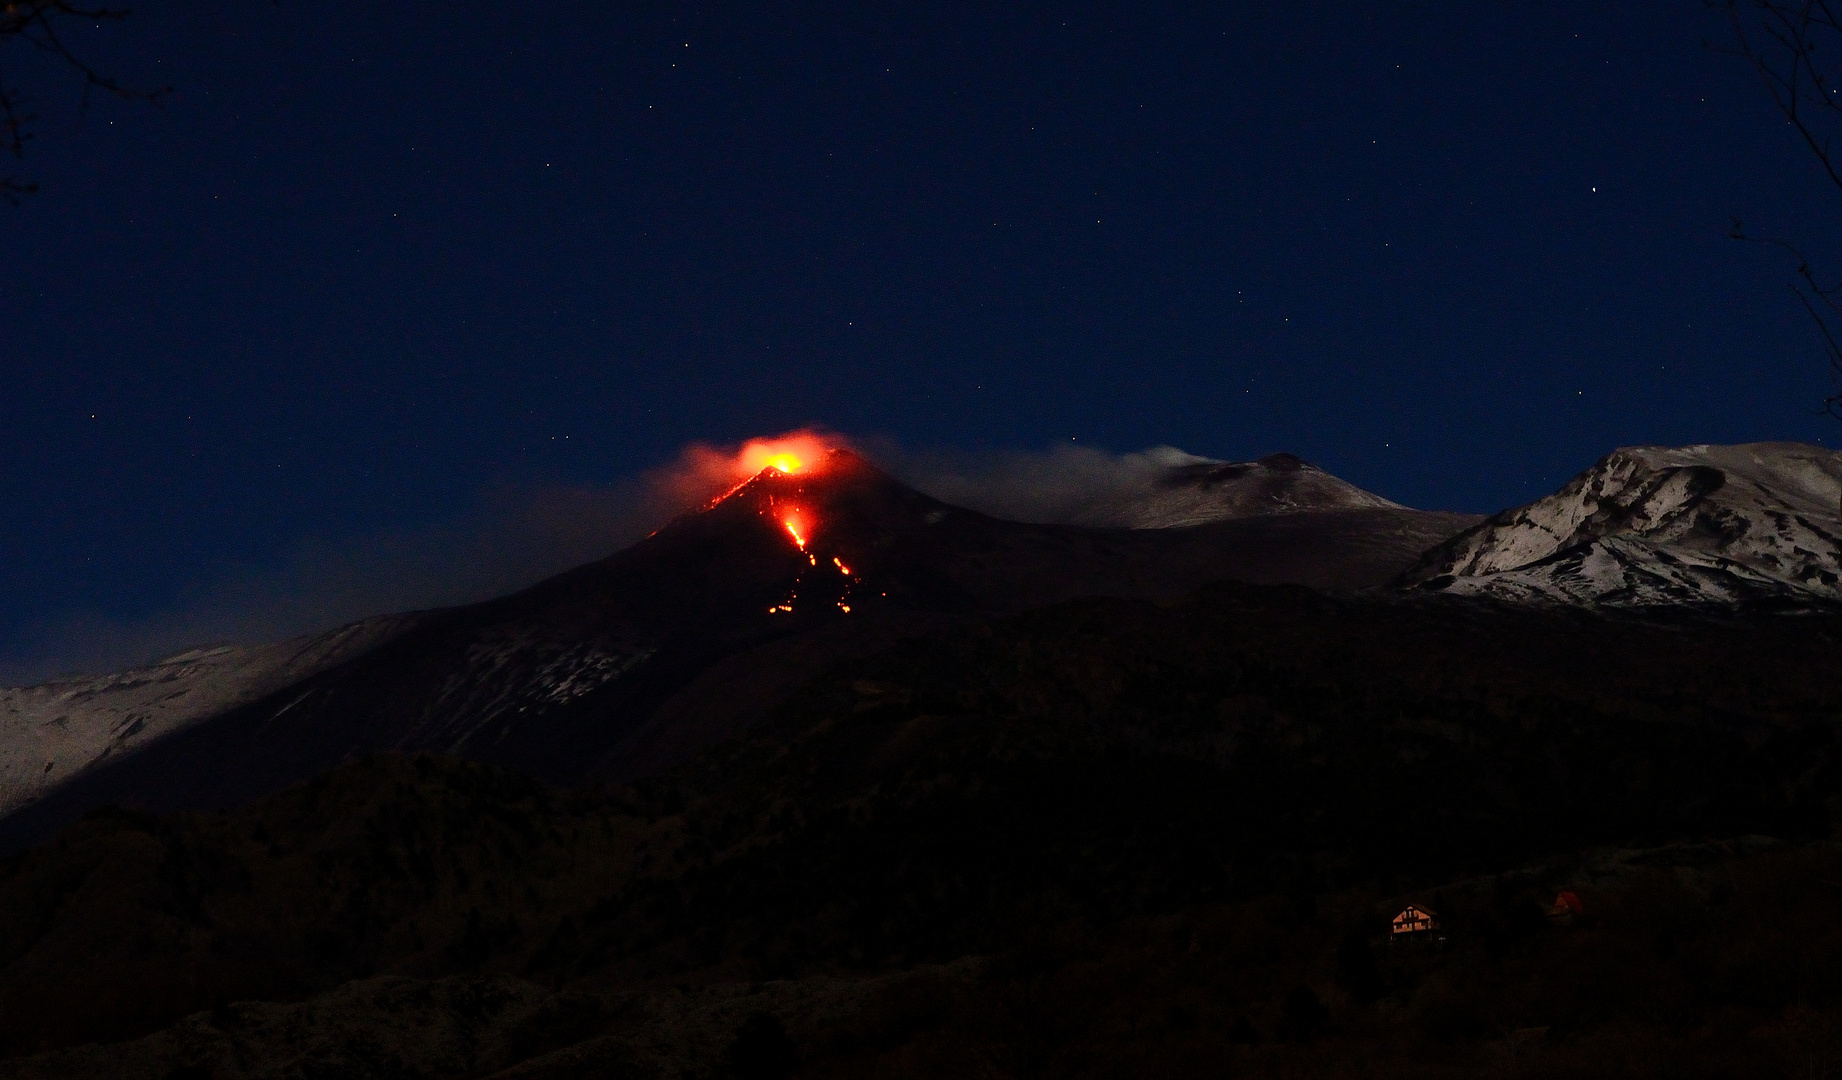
(1789, 66)
(1824, 305)
(35, 23)
(1781, 40)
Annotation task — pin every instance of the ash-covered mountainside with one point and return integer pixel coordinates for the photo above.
(1754, 524)
(632, 664)
(1190, 490)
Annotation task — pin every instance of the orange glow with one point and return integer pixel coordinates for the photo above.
(842, 569)
(794, 530)
(794, 453)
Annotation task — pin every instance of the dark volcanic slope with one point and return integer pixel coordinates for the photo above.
(633, 663)
(1018, 787)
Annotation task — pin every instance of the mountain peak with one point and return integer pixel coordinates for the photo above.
(1646, 525)
(1191, 490)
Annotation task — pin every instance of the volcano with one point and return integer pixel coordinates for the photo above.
(632, 664)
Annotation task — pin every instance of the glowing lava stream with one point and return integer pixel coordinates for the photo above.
(795, 522)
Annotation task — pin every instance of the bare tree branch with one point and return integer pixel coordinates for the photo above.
(35, 23)
(1787, 42)
(1822, 303)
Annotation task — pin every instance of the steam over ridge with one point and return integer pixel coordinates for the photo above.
(1062, 485)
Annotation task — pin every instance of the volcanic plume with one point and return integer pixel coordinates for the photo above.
(708, 474)
(796, 451)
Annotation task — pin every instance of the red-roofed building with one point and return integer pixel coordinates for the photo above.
(1414, 919)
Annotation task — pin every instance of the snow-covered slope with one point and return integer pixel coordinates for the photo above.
(1647, 525)
(52, 732)
(1191, 490)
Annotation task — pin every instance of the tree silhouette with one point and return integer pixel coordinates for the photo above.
(36, 24)
(1788, 43)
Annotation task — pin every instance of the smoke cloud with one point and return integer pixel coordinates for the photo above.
(1064, 485)
(515, 536)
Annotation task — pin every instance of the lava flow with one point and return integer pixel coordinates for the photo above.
(775, 470)
(798, 524)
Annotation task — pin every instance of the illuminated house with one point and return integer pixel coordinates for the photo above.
(1414, 919)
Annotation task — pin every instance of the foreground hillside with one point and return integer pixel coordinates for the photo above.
(1109, 838)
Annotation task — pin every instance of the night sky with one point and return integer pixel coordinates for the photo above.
(396, 278)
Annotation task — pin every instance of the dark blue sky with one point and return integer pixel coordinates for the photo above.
(359, 272)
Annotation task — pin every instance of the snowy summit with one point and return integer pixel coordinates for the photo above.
(1756, 523)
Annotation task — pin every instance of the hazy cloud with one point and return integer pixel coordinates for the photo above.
(515, 536)
(1068, 485)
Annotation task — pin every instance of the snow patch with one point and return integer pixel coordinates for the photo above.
(52, 732)
(507, 676)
